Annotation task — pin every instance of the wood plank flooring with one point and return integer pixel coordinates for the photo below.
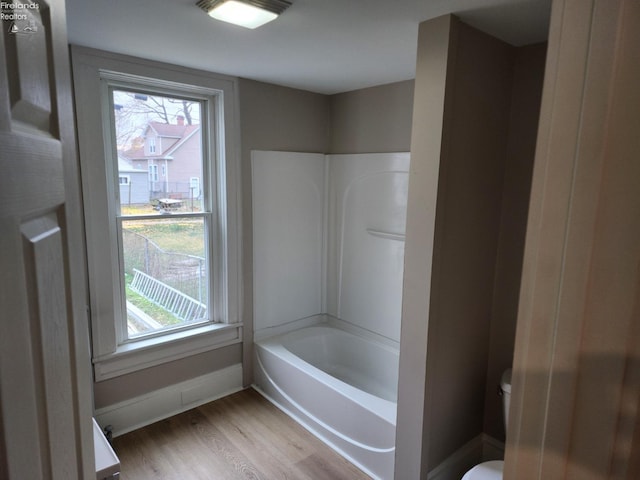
(241, 436)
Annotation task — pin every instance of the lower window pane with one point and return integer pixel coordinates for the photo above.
(165, 273)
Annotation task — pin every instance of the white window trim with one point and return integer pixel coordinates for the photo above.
(90, 68)
(127, 180)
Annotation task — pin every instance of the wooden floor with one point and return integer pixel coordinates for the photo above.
(241, 436)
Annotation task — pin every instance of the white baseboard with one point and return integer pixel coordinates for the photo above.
(480, 449)
(140, 411)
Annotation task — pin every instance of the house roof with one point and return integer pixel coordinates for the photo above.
(124, 166)
(134, 153)
(171, 130)
(178, 133)
(189, 132)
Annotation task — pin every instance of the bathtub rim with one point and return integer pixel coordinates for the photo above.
(324, 319)
(378, 406)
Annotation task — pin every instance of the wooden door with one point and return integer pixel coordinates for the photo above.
(45, 383)
(575, 402)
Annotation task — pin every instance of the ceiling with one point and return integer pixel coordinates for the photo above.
(324, 46)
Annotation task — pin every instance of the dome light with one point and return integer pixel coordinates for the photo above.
(246, 13)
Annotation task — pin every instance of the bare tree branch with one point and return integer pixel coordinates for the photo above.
(134, 111)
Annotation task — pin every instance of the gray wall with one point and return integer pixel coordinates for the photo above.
(426, 144)
(521, 144)
(273, 118)
(476, 104)
(376, 119)
(472, 162)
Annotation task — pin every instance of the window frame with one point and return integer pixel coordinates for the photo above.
(212, 217)
(94, 73)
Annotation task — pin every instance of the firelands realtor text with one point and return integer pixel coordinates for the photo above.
(15, 10)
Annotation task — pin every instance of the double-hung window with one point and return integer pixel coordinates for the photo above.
(165, 246)
(163, 262)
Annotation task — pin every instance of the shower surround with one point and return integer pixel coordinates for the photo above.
(328, 234)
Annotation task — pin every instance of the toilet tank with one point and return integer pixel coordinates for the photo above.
(505, 386)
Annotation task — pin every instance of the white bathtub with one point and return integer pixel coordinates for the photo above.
(340, 386)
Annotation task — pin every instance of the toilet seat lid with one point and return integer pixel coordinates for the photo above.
(486, 471)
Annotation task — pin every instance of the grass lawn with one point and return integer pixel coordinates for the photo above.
(148, 208)
(137, 210)
(171, 235)
(156, 312)
(179, 235)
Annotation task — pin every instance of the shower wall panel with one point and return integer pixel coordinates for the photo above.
(367, 213)
(288, 229)
(329, 238)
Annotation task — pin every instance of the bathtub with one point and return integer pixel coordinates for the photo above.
(340, 386)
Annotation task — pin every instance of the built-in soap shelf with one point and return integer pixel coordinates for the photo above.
(388, 235)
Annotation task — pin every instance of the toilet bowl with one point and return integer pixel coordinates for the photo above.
(486, 471)
(492, 470)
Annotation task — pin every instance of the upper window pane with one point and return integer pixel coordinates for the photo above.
(159, 148)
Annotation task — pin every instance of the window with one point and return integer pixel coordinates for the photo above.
(194, 187)
(153, 173)
(152, 140)
(165, 266)
(163, 263)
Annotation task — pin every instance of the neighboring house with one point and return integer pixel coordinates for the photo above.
(133, 182)
(172, 157)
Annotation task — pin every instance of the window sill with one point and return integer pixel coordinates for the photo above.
(149, 352)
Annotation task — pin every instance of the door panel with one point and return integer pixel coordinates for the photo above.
(45, 383)
(48, 319)
(29, 67)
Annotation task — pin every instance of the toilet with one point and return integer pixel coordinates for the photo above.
(493, 470)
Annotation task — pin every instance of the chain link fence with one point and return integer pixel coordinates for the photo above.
(186, 273)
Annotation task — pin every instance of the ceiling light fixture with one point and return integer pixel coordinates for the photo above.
(246, 13)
